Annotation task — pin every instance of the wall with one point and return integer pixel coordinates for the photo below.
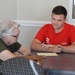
(27, 34)
(38, 10)
(8, 9)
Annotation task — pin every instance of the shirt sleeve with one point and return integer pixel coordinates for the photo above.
(2, 46)
(41, 34)
(14, 47)
(17, 45)
(72, 36)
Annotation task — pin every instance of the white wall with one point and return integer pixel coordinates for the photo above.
(8, 9)
(38, 9)
(27, 34)
(29, 9)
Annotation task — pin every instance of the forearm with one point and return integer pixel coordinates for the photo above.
(70, 49)
(36, 46)
(24, 51)
(6, 54)
(18, 53)
(46, 47)
(55, 48)
(59, 48)
(51, 49)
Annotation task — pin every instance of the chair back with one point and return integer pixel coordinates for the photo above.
(20, 66)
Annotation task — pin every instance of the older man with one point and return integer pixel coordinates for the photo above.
(9, 46)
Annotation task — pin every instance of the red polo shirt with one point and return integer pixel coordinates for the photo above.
(47, 35)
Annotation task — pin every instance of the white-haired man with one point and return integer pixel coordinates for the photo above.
(9, 46)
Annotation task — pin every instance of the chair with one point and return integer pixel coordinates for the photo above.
(20, 66)
(0, 67)
(38, 59)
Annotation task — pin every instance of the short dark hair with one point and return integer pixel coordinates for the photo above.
(58, 10)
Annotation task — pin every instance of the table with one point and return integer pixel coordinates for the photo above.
(63, 64)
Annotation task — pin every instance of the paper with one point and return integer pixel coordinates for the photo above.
(47, 54)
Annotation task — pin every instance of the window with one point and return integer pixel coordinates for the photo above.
(71, 10)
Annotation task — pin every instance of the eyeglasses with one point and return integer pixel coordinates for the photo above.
(14, 36)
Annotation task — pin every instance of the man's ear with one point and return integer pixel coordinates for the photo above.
(5, 37)
(65, 19)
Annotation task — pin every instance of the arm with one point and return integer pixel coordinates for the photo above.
(70, 48)
(59, 48)
(23, 51)
(37, 45)
(6, 54)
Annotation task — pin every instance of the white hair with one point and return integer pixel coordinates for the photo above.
(6, 27)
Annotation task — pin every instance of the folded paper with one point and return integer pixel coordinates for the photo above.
(47, 54)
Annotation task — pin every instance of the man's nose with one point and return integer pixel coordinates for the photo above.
(56, 22)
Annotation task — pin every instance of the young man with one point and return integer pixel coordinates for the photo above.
(9, 47)
(57, 36)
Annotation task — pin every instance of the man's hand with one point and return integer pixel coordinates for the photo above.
(57, 49)
(52, 48)
(46, 46)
